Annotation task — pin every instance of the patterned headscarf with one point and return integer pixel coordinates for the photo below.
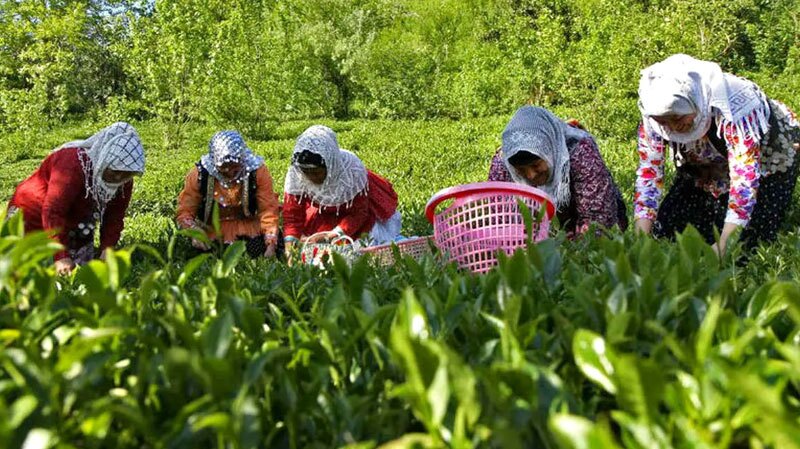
(117, 147)
(537, 131)
(228, 146)
(346, 177)
(682, 85)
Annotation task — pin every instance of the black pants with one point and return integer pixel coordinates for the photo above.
(256, 245)
(687, 204)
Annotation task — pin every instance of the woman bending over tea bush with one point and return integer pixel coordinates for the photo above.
(236, 181)
(541, 150)
(80, 184)
(329, 193)
(732, 146)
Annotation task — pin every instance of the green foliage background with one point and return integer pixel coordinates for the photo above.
(181, 69)
(595, 343)
(253, 64)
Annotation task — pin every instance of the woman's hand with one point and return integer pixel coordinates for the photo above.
(64, 266)
(270, 251)
(643, 225)
(722, 245)
(322, 237)
(271, 243)
(199, 245)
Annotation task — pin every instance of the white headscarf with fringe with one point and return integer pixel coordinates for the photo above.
(117, 147)
(681, 84)
(346, 175)
(537, 131)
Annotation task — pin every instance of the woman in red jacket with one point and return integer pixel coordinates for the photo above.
(329, 193)
(78, 185)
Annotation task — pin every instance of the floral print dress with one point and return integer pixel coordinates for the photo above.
(734, 179)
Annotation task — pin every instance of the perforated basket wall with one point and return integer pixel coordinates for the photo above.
(483, 221)
(417, 248)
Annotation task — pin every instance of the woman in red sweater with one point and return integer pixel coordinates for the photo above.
(329, 193)
(78, 185)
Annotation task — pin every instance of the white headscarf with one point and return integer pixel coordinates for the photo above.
(228, 146)
(117, 147)
(537, 131)
(346, 177)
(681, 85)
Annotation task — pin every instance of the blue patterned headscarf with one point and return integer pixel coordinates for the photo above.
(228, 146)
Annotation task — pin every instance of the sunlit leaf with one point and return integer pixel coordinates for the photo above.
(593, 358)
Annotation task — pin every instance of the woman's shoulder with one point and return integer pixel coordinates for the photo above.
(586, 161)
(66, 161)
(375, 177)
(582, 147)
(379, 186)
(194, 170)
(66, 155)
(497, 157)
(192, 178)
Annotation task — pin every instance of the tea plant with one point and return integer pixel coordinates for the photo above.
(612, 342)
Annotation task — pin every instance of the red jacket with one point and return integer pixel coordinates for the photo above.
(54, 198)
(301, 218)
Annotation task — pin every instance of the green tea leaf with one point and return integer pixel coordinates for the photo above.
(21, 409)
(643, 383)
(232, 256)
(218, 336)
(593, 358)
(191, 266)
(575, 432)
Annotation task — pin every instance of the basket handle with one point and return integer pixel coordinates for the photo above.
(344, 237)
(488, 187)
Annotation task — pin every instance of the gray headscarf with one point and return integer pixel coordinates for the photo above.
(537, 131)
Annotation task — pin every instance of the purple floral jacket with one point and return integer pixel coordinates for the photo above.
(594, 198)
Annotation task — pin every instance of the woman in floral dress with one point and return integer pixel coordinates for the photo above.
(733, 147)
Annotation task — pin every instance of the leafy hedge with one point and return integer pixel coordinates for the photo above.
(597, 343)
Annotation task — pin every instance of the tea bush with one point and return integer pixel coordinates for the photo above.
(609, 342)
(612, 342)
(254, 64)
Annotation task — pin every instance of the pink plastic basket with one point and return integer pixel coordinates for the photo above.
(416, 247)
(485, 218)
